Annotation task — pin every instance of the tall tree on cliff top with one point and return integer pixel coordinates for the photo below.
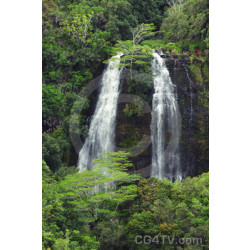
(132, 51)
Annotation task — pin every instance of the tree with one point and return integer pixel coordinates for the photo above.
(101, 190)
(80, 27)
(51, 152)
(142, 31)
(54, 148)
(186, 22)
(132, 52)
(52, 209)
(149, 11)
(52, 100)
(178, 209)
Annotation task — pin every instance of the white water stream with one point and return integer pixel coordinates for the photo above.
(165, 119)
(102, 127)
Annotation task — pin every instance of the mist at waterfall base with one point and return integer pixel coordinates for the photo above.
(102, 127)
(165, 119)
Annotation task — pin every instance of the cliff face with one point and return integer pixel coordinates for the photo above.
(190, 75)
(191, 80)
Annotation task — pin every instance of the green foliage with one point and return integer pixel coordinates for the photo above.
(52, 101)
(187, 22)
(134, 109)
(203, 97)
(77, 120)
(88, 195)
(206, 71)
(80, 27)
(154, 44)
(52, 153)
(174, 48)
(87, 189)
(45, 171)
(117, 210)
(54, 148)
(131, 50)
(196, 72)
(150, 11)
(110, 234)
(76, 82)
(62, 172)
(119, 19)
(179, 209)
(176, 27)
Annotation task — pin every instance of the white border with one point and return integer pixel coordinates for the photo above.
(229, 124)
(20, 126)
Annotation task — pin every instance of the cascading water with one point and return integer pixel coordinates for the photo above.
(102, 127)
(165, 120)
(191, 95)
(189, 126)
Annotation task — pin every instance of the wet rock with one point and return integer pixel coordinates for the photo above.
(186, 48)
(184, 57)
(164, 56)
(197, 61)
(193, 144)
(194, 136)
(186, 61)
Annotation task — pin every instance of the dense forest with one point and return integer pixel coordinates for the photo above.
(122, 209)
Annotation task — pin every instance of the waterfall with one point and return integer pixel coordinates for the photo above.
(189, 126)
(102, 127)
(165, 121)
(191, 95)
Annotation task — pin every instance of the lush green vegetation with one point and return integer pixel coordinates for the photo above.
(91, 210)
(108, 209)
(186, 22)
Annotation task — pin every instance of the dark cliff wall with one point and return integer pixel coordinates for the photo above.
(134, 117)
(190, 75)
(191, 79)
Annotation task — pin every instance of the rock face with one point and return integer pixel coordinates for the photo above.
(191, 79)
(133, 131)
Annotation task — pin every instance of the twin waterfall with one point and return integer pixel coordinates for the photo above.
(165, 121)
(102, 127)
